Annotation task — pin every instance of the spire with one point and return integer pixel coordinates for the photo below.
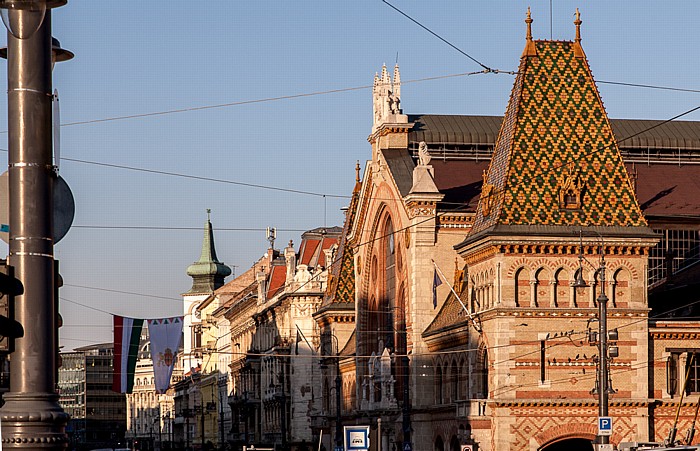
(208, 272)
(397, 82)
(530, 49)
(578, 50)
(357, 172)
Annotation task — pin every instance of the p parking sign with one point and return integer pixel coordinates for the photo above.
(605, 425)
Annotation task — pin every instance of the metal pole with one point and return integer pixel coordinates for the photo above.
(283, 413)
(32, 419)
(222, 386)
(201, 421)
(603, 348)
(338, 397)
(406, 408)
(338, 424)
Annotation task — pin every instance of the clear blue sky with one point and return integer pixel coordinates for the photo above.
(135, 57)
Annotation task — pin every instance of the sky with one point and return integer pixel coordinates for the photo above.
(242, 71)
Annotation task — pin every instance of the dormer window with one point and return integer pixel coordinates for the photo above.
(571, 187)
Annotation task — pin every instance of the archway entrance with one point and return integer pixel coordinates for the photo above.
(570, 444)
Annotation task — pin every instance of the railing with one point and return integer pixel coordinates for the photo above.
(483, 152)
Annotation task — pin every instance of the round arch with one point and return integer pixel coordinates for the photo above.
(569, 444)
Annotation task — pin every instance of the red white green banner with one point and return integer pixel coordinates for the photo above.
(127, 334)
(165, 335)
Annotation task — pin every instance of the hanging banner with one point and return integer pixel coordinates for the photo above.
(165, 335)
(127, 334)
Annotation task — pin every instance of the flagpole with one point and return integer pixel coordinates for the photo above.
(442, 276)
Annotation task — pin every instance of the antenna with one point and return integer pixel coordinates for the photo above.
(551, 20)
(56, 128)
(271, 235)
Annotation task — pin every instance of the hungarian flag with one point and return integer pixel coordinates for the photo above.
(437, 281)
(127, 334)
(165, 335)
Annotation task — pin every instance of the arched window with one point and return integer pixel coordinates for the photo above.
(454, 382)
(439, 445)
(482, 373)
(438, 385)
(560, 292)
(389, 303)
(620, 288)
(522, 288)
(464, 380)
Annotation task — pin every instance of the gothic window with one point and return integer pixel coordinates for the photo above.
(464, 380)
(482, 373)
(454, 382)
(438, 385)
(390, 284)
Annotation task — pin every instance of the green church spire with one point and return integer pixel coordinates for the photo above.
(208, 272)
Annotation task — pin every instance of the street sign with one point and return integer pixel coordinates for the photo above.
(605, 425)
(356, 438)
(407, 446)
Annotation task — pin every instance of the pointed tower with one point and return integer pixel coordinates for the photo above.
(208, 272)
(556, 188)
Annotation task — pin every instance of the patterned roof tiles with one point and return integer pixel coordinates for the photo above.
(556, 161)
(341, 286)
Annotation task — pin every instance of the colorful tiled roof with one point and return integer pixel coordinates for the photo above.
(341, 286)
(556, 161)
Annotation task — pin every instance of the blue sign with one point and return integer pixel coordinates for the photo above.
(605, 425)
(356, 438)
(407, 446)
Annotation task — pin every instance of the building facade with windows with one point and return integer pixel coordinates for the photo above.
(97, 414)
(459, 257)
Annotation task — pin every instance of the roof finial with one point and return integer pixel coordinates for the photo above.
(357, 171)
(208, 214)
(530, 49)
(578, 50)
(577, 22)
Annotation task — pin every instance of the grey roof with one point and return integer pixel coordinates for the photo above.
(483, 130)
(401, 166)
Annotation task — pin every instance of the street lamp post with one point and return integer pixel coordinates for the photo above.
(406, 407)
(32, 419)
(338, 392)
(603, 382)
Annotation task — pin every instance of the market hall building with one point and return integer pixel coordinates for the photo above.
(500, 211)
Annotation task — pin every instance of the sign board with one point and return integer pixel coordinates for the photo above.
(356, 438)
(605, 425)
(467, 448)
(407, 446)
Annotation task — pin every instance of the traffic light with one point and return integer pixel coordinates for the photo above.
(9, 288)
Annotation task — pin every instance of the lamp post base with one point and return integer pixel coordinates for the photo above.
(33, 421)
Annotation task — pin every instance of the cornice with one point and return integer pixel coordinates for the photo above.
(569, 403)
(388, 128)
(455, 220)
(521, 312)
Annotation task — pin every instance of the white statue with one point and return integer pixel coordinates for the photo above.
(423, 155)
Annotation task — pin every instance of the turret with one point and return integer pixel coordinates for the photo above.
(208, 273)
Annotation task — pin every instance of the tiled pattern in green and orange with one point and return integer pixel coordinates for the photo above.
(555, 117)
